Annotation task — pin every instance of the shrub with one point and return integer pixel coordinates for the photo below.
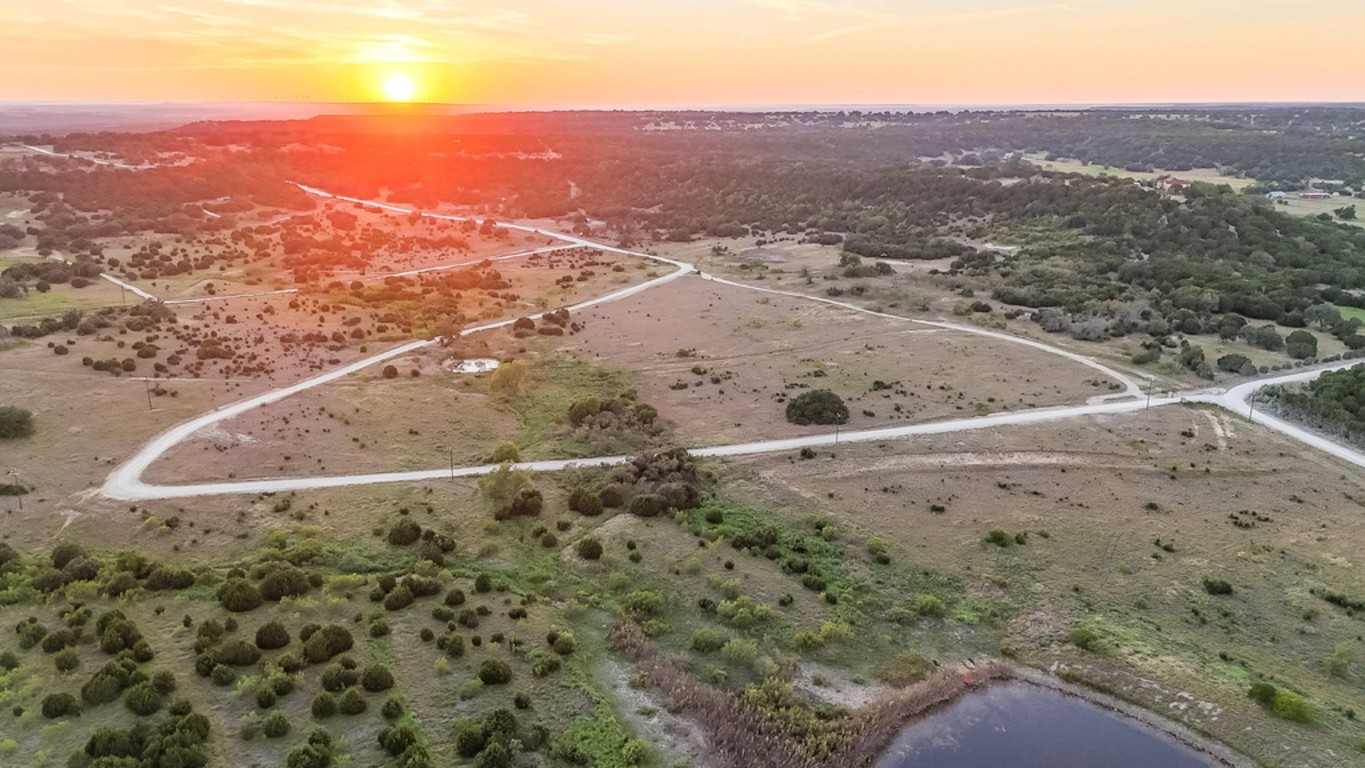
(238, 595)
(352, 703)
(238, 653)
(1217, 587)
(324, 705)
(56, 641)
(15, 423)
(404, 532)
(999, 538)
(57, 705)
(612, 496)
(119, 584)
(1263, 694)
(527, 503)
(1291, 707)
(494, 672)
(707, 640)
(562, 642)
(506, 452)
(162, 577)
(396, 740)
(392, 709)
(275, 726)
(336, 678)
(376, 678)
(817, 406)
(67, 660)
(272, 635)
(929, 605)
(400, 598)
(589, 549)
(469, 737)
(585, 502)
(483, 583)
(326, 643)
(164, 682)
(282, 582)
(635, 752)
(1084, 638)
(143, 699)
(455, 597)
(648, 505)
(80, 569)
(222, 675)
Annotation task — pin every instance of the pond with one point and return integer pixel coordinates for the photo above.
(1027, 726)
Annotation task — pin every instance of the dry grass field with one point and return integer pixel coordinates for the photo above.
(720, 362)
(1120, 521)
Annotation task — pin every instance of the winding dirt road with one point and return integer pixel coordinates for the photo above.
(126, 483)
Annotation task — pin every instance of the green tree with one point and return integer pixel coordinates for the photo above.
(1301, 345)
(818, 406)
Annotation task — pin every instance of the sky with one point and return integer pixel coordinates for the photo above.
(630, 53)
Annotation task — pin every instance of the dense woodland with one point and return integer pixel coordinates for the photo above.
(1334, 402)
(1105, 255)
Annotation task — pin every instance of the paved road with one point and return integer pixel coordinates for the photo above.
(126, 481)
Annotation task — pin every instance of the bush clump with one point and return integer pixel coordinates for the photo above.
(817, 406)
(1217, 587)
(271, 636)
(589, 549)
(585, 502)
(494, 672)
(282, 582)
(376, 678)
(15, 423)
(327, 642)
(57, 705)
(275, 726)
(239, 595)
(404, 532)
(352, 703)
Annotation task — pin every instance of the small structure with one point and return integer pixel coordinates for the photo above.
(1276, 195)
(477, 365)
(1172, 184)
(1315, 195)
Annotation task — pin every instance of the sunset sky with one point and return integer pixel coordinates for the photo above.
(698, 52)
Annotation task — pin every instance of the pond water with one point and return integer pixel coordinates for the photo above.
(1026, 726)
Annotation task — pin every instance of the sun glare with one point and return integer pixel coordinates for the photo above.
(399, 87)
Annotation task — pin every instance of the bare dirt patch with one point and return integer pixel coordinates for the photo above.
(721, 362)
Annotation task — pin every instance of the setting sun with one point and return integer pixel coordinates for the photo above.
(399, 87)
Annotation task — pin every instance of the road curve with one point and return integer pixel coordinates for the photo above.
(1130, 386)
(126, 483)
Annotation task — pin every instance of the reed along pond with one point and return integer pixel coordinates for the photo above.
(1017, 725)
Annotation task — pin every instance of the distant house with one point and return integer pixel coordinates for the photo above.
(1277, 196)
(1172, 184)
(1315, 195)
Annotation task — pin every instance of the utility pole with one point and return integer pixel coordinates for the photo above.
(1251, 406)
(452, 462)
(148, 386)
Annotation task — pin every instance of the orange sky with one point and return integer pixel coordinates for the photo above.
(702, 52)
